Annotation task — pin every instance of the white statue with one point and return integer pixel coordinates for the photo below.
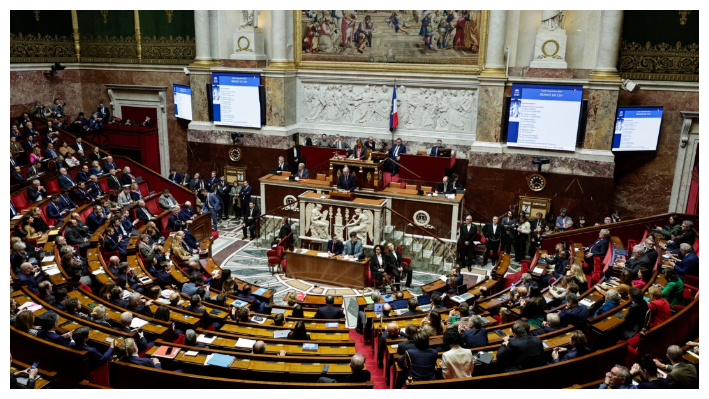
(249, 18)
(552, 19)
(317, 223)
(361, 224)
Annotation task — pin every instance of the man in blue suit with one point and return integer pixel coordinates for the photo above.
(95, 218)
(65, 201)
(476, 335)
(436, 148)
(173, 222)
(347, 180)
(84, 174)
(574, 313)
(65, 181)
(689, 265)
(354, 247)
(329, 311)
(211, 205)
(246, 295)
(50, 321)
(598, 248)
(132, 355)
(30, 276)
(175, 177)
(334, 246)
(54, 209)
(108, 164)
(395, 154)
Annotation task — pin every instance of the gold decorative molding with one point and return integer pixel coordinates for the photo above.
(76, 35)
(36, 15)
(168, 50)
(104, 13)
(682, 19)
(138, 50)
(37, 48)
(553, 54)
(169, 15)
(493, 72)
(109, 49)
(243, 48)
(661, 61)
(281, 65)
(607, 75)
(389, 67)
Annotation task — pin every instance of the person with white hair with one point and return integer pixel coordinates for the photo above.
(359, 374)
(689, 265)
(598, 248)
(347, 180)
(302, 172)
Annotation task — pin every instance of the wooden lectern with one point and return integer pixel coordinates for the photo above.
(343, 196)
(368, 174)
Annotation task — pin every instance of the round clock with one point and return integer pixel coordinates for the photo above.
(537, 182)
(235, 154)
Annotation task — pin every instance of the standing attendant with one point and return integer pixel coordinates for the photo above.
(509, 224)
(522, 238)
(468, 232)
(245, 196)
(493, 236)
(211, 205)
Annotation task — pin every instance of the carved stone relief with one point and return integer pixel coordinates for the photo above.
(369, 105)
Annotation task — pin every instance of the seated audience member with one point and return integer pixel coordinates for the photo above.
(456, 362)
(30, 276)
(329, 311)
(687, 235)
(299, 332)
(49, 323)
(464, 311)
(191, 339)
(278, 319)
(436, 302)
(409, 332)
(25, 322)
(576, 272)
(475, 335)
(550, 325)
(390, 333)
(100, 316)
(130, 351)
(420, 361)
(96, 358)
(359, 374)
(673, 291)
(432, 325)
(658, 306)
(73, 307)
(618, 378)
(578, 348)
(138, 305)
(612, 299)
(689, 265)
(637, 261)
(646, 369)
(533, 307)
(680, 374)
(634, 320)
(297, 311)
(522, 351)
(412, 305)
(672, 229)
(574, 313)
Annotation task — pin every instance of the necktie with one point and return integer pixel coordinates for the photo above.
(12, 161)
(339, 145)
(116, 179)
(435, 151)
(12, 208)
(396, 152)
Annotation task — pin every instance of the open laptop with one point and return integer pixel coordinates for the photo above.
(463, 292)
(378, 307)
(399, 304)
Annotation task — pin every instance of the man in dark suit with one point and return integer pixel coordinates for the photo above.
(468, 232)
(30, 131)
(335, 246)
(538, 222)
(411, 306)
(79, 145)
(245, 196)
(65, 202)
(16, 176)
(493, 235)
(80, 193)
(650, 250)
(689, 265)
(132, 350)
(84, 174)
(521, 352)
(359, 374)
(50, 152)
(250, 216)
(297, 156)
(329, 311)
(108, 164)
(95, 218)
(409, 331)
(139, 306)
(212, 181)
(598, 248)
(30, 276)
(96, 358)
(282, 165)
(395, 265)
(103, 112)
(65, 181)
(445, 186)
(54, 210)
(113, 182)
(35, 169)
(391, 333)
(638, 260)
(347, 180)
(339, 143)
(634, 320)
(283, 232)
(142, 213)
(76, 236)
(550, 325)
(36, 192)
(574, 313)
(246, 295)
(302, 173)
(395, 155)
(50, 322)
(174, 176)
(476, 335)
(436, 148)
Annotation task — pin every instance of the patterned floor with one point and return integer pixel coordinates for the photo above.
(249, 263)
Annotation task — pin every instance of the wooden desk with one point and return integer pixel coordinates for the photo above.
(317, 157)
(368, 174)
(361, 302)
(308, 266)
(257, 331)
(431, 169)
(44, 378)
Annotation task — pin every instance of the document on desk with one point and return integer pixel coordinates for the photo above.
(323, 254)
(538, 270)
(203, 339)
(219, 360)
(137, 323)
(587, 303)
(191, 353)
(281, 334)
(260, 291)
(98, 271)
(51, 270)
(18, 217)
(48, 259)
(244, 343)
(333, 324)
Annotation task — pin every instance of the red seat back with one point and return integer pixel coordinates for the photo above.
(20, 200)
(99, 376)
(153, 207)
(52, 186)
(104, 185)
(143, 187)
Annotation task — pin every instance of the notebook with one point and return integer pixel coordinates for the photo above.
(310, 347)
(244, 343)
(167, 352)
(260, 291)
(388, 297)
(206, 339)
(425, 308)
(239, 303)
(283, 334)
(378, 307)
(219, 360)
(483, 357)
(368, 300)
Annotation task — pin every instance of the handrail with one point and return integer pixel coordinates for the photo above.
(271, 212)
(622, 223)
(485, 218)
(414, 224)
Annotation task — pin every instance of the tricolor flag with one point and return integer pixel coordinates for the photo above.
(394, 119)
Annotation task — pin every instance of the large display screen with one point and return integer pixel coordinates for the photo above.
(545, 117)
(637, 128)
(235, 99)
(182, 96)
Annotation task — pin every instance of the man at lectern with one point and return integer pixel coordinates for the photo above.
(347, 180)
(436, 148)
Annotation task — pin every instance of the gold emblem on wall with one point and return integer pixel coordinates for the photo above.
(239, 46)
(104, 13)
(235, 154)
(169, 15)
(552, 54)
(682, 19)
(369, 176)
(36, 15)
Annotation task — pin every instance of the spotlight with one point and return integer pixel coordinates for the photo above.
(629, 85)
(539, 162)
(56, 67)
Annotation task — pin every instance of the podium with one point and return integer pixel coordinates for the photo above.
(316, 158)
(347, 196)
(368, 174)
(429, 168)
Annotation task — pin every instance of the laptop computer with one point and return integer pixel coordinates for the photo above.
(423, 299)
(462, 289)
(425, 308)
(378, 307)
(399, 304)
(138, 179)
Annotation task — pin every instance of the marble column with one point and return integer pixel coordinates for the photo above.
(201, 34)
(279, 40)
(214, 36)
(608, 46)
(495, 53)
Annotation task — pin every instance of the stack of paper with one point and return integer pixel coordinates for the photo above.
(48, 259)
(323, 254)
(244, 343)
(98, 271)
(51, 269)
(538, 270)
(587, 303)
(137, 323)
(166, 293)
(333, 324)
(31, 306)
(203, 339)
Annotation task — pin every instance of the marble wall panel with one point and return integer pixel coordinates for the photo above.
(200, 101)
(560, 164)
(644, 179)
(249, 139)
(602, 106)
(528, 72)
(489, 119)
(26, 87)
(275, 101)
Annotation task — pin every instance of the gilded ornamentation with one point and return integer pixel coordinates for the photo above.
(37, 48)
(659, 62)
(552, 54)
(682, 19)
(168, 50)
(36, 15)
(104, 13)
(243, 48)
(109, 49)
(369, 177)
(169, 15)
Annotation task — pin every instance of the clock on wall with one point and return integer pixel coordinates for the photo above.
(235, 154)
(537, 182)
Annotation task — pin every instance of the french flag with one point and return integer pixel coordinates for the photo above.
(394, 119)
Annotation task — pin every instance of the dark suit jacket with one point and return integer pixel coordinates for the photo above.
(173, 223)
(434, 150)
(391, 262)
(688, 266)
(347, 183)
(490, 235)
(304, 174)
(634, 320)
(126, 179)
(141, 361)
(474, 338)
(66, 181)
(283, 168)
(17, 178)
(536, 222)
(16, 385)
(83, 146)
(33, 194)
(141, 215)
(404, 345)
(572, 354)
(412, 312)
(522, 353)
(176, 177)
(53, 337)
(93, 222)
(83, 176)
(30, 281)
(54, 210)
(446, 188)
(633, 265)
(107, 166)
(600, 247)
(285, 230)
(392, 149)
(466, 235)
(329, 312)
(113, 182)
(338, 248)
(96, 190)
(578, 316)
(96, 358)
(256, 213)
(73, 236)
(245, 195)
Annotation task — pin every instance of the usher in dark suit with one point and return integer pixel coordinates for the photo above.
(493, 237)
(466, 251)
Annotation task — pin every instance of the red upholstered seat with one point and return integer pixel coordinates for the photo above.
(514, 277)
(99, 376)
